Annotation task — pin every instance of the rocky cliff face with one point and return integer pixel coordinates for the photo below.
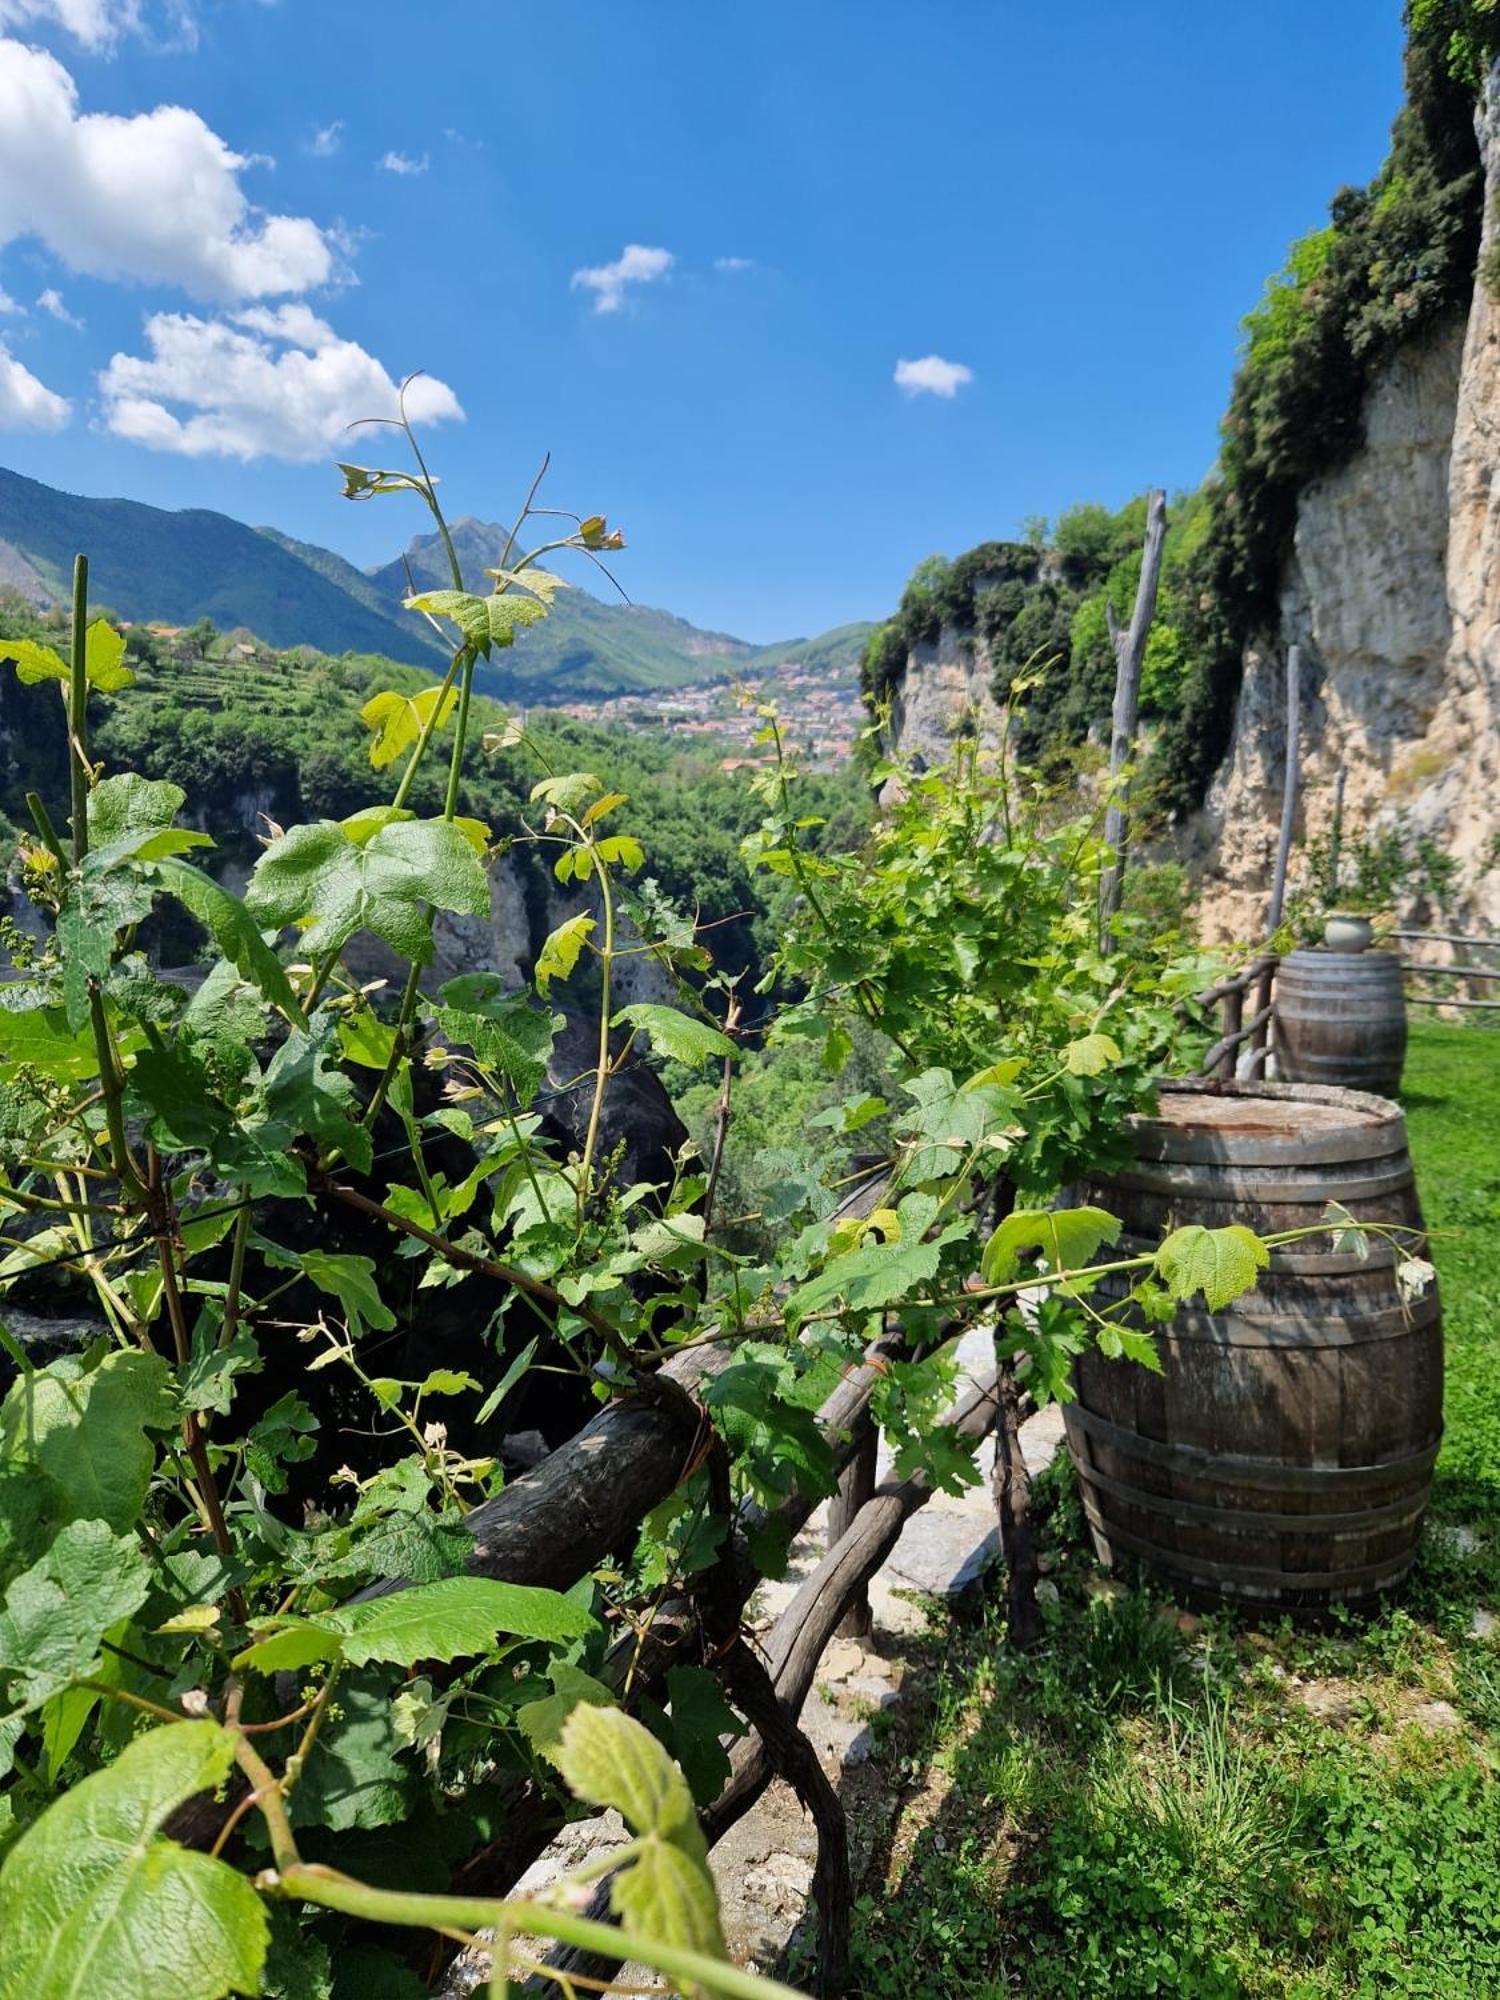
(946, 687)
(1393, 593)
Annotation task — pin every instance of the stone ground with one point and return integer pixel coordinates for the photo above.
(764, 1865)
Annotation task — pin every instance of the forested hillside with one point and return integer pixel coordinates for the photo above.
(255, 736)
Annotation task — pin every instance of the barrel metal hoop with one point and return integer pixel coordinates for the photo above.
(1235, 1469)
(1178, 1177)
(1394, 1513)
(1290, 1330)
(1283, 1582)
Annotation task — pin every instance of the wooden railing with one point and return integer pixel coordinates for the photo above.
(1253, 985)
(1421, 971)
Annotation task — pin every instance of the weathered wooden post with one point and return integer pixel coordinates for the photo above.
(1260, 1041)
(1130, 652)
(1289, 786)
(856, 1488)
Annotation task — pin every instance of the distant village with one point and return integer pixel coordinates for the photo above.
(819, 707)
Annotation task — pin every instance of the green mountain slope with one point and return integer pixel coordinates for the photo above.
(844, 646)
(147, 563)
(587, 647)
(176, 568)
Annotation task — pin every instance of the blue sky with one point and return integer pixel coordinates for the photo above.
(1073, 204)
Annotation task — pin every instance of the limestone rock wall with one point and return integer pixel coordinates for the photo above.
(1393, 592)
(946, 683)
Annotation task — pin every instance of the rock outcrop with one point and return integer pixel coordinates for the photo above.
(946, 688)
(1393, 592)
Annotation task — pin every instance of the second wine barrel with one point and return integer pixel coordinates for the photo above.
(1341, 1019)
(1283, 1457)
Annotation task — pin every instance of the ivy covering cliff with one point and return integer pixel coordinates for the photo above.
(1395, 261)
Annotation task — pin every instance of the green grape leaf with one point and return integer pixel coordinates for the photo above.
(458, 1616)
(951, 1121)
(567, 790)
(608, 1759)
(1090, 1055)
(700, 1718)
(1219, 1263)
(508, 1035)
(33, 663)
(448, 1620)
(231, 926)
(676, 1035)
(282, 1437)
(560, 951)
(1066, 1237)
(668, 1896)
(97, 1901)
(622, 850)
(541, 1722)
(304, 1092)
(130, 818)
(867, 1279)
(354, 1775)
(419, 1547)
(316, 876)
(351, 1280)
(399, 719)
(104, 658)
(41, 1038)
(541, 583)
(56, 1612)
(83, 1428)
(1139, 1347)
(484, 621)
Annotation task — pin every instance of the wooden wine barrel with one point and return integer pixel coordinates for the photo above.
(1341, 1019)
(1282, 1460)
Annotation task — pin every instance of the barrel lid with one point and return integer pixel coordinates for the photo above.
(1267, 1124)
(1337, 967)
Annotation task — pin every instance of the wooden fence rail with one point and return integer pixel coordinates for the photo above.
(1423, 972)
(1236, 1033)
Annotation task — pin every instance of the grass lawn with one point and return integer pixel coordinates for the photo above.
(1157, 1804)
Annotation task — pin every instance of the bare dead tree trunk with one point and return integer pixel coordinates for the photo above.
(1012, 1488)
(1130, 652)
(1289, 787)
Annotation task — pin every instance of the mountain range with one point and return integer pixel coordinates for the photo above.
(175, 568)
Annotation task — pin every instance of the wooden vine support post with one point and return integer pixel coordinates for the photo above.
(1130, 654)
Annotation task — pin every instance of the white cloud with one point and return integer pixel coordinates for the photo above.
(156, 197)
(932, 376)
(324, 142)
(635, 265)
(99, 24)
(51, 301)
(96, 23)
(404, 163)
(8, 304)
(268, 382)
(25, 403)
(734, 263)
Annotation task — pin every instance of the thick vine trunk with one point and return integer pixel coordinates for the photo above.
(1012, 1488)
